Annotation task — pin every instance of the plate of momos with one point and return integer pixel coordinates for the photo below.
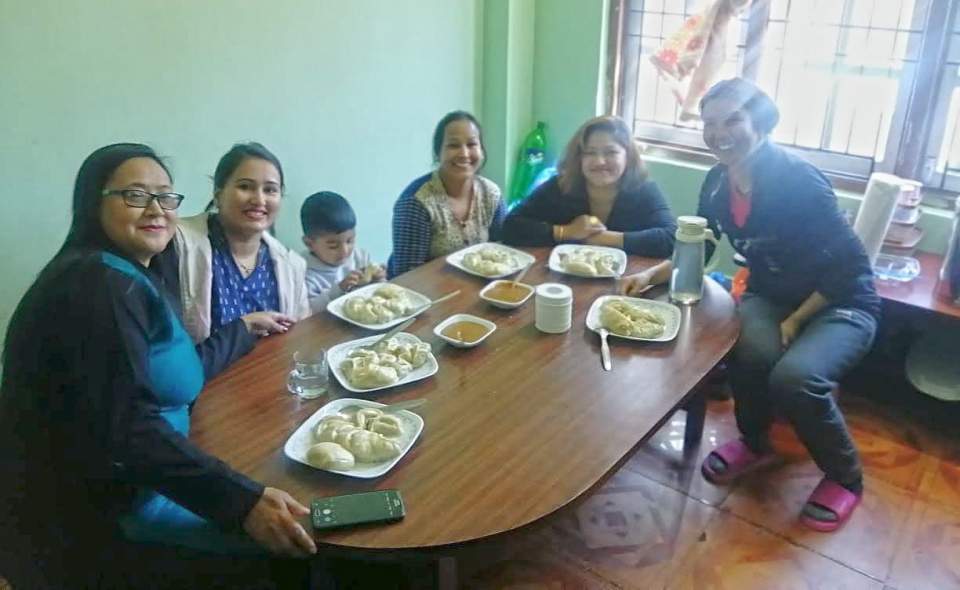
(354, 437)
(378, 306)
(489, 260)
(633, 318)
(588, 261)
(399, 360)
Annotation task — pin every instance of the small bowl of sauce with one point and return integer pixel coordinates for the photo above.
(506, 294)
(464, 330)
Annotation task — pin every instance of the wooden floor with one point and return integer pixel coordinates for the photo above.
(658, 524)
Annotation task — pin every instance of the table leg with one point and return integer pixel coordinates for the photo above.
(696, 415)
(446, 573)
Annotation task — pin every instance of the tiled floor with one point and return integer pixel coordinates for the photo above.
(658, 524)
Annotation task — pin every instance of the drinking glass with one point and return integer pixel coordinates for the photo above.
(309, 377)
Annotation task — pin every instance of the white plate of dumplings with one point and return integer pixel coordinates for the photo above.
(412, 303)
(339, 353)
(669, 313)
(305, 437)
(490, 261)
(587, 261)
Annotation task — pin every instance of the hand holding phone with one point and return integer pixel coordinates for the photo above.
(273, 524)
(351, 509)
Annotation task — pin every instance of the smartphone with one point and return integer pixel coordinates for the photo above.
(350, 509)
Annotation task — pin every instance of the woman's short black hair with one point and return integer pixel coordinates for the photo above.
(326, 212)
(442, 127)
(762, 110)
(237, 154)
(86, 230)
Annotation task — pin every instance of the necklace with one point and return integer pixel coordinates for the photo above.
(463, 221)
(244, 269)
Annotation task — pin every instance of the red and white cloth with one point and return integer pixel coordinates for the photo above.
(696, 52)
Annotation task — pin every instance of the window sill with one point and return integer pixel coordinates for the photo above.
(936, 221)
(935, 201)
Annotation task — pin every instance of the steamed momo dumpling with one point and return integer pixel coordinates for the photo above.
(579, 267)
(376, 421)
(491, 261)
(387, 303)
(391, 361)
(330, 455)
(626, 319)
(365, 445)
(589, 262)
(356, 434)
(367, 373)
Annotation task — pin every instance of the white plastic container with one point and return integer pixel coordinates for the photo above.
(554, 308)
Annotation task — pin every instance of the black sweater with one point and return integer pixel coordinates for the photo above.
(795, 240)
(642, 215)
(80, 428)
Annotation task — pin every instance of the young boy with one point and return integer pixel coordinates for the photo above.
(334, 265)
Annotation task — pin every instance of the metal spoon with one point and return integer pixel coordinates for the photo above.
(522, 274)
(605, 350)
(393, 332)
(427, 306)
(407, 405)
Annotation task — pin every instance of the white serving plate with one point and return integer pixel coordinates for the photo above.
(671, 315)
(302, 439)
(504, 304)
(619, 257)
(456, 259)
(338, 353)
(335, 307)
(464, 317)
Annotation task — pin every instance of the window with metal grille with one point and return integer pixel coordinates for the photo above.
(862, 85)
(943, 156)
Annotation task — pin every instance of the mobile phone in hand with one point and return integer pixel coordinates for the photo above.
(339, 511)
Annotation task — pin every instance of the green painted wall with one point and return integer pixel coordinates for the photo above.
(345, 93)
(568, 57)
(507, 86)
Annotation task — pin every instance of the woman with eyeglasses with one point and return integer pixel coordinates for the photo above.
(231, 268)
(602, 197)
(98, 376)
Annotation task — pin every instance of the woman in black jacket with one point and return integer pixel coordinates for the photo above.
(98, 377)
(601, 197)
(810, 310)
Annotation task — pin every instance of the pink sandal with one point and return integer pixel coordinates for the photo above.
(739, 459)
(831, 496)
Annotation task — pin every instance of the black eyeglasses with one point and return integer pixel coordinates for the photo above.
(140, 199)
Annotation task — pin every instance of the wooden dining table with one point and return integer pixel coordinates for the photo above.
(515, 429)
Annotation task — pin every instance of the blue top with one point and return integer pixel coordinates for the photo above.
(97, 380)
(174, 370)
(232, 294)
(795, 240)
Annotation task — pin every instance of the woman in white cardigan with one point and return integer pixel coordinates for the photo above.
(230, 267)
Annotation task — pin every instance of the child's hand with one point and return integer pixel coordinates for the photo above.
(351, 280)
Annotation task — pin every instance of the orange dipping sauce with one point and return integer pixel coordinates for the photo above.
(465, 330)
(507, 292)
